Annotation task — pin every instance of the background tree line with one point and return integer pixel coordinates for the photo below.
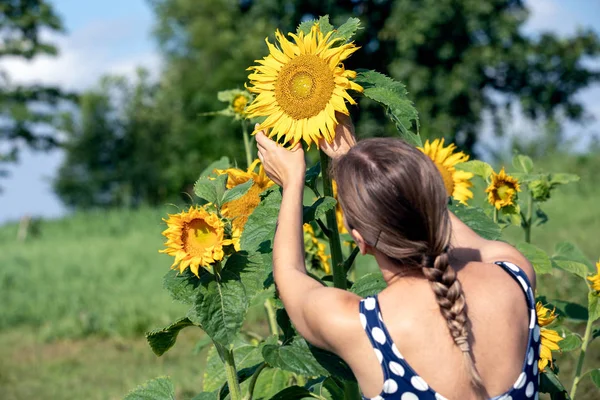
(139, 141)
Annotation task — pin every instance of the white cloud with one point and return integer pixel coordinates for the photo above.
(550, 15)
(85, 55)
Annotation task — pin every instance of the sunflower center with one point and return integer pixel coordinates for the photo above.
(447, 177)
(304, 86)
(504, 192)
(239, 104)
(198, 236)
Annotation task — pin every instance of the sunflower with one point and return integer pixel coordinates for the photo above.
(595, 279)
(240, 209)
(339, 215)
(503, 190)
(300, 86)
(315, 250)
(457, 182)
(195, 238)
(550, 338)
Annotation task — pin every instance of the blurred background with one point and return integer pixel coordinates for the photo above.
(101, 133)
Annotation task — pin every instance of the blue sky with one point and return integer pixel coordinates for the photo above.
(114, 36)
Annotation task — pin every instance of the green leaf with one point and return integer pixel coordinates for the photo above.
(220, 307)
(293, 393)
(251, 269)
(155, 389)
(347, 30)
(237, 191)
(284, 322)
(569, 251)
(318, 208)
(206, 190)
(393, 96)
(182, 286)
(562, 178)
(369, 284)
(595, 375)
(571, 266)
(570, 310)
(328, 388)
(537, 257)
(295, 357)
(571, 342)
(323, 22)
(593, 306)
(161, 340)
(549, 383)
(476, 219)
(220, 183)
(476, 167)
(310, 178)
(523, 163)
(271, 381)
(260, 228)
(207, 396)
(222, 163)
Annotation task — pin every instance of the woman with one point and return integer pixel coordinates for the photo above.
(457, 319)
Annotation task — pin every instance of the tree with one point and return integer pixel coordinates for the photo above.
(458, 58)
(27, 113)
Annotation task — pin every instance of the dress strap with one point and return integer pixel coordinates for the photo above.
(391, 360)
(520, 276)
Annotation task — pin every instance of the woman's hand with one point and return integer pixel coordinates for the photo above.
(285, 167)
(344, 137)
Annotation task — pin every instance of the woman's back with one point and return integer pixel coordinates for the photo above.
(500, 320)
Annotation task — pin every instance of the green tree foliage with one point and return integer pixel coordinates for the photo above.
(117, 152)
(458, 59)
(27, 113)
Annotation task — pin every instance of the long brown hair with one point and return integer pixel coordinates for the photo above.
(395, 197)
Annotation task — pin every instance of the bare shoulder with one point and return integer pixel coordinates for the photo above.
(495, 251)
(333, 317)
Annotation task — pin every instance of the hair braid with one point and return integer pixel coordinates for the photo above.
(451, 300)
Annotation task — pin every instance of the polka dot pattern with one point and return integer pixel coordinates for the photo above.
(400, 381)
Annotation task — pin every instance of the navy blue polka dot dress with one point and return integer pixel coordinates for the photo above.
(401, 382)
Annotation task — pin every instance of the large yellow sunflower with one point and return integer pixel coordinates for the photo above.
(550, 338)
(503, 189)
(457, 182)
(195, 238)
(595, 279)
(300, 86)
(239, 210)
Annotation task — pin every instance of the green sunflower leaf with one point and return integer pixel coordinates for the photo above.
(259, 230)
(571, 310)
(593, 306)
(323, 22)
(182, 286)
(369, 284)
(207, 396)
(523, 163)
(538, 257)
(571, 342)
(570, 252)
(161, 340)
(573, 267)
(155, 389)
(393, 96)
(222, 163)
(476, 167)
(237, 191)
(271, 381)
(562, 178)
(252, 270)
(318, 209)
(294, 393)
(476, 219)
(595, 375)
(220, 307)
(347, 30)
(549, 383)
(206, 190)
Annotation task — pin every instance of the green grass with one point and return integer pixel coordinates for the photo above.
(77, 299)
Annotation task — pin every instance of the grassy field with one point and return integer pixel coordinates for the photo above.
(77, 299)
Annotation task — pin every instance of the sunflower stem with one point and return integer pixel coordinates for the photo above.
(529, 218)
(495, 215)
(271, 317)
(247, 143)
(235, 392)
(339, 275)
(581, 359)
